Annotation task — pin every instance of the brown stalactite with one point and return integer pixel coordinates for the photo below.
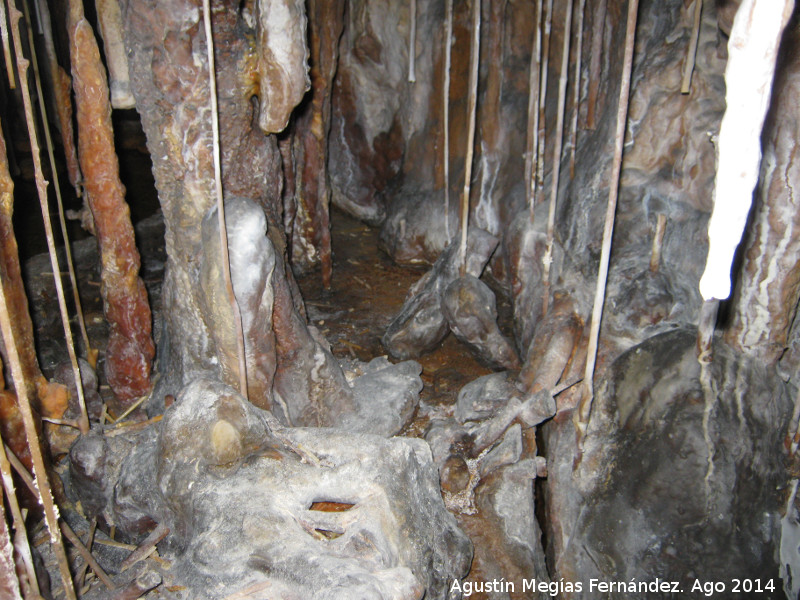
(768, 288)
(312, 241)
(11, 275)
(130, 349)
(62, 92)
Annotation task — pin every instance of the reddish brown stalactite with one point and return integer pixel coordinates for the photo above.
(11, 275)
(312, 223)
(130, 349)
(63, 89)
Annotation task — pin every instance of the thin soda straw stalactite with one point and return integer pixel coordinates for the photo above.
(223, 232)
(472, 105)
(448, 40)
(548, 20)
(42, 486)
(41, 188)
(585, 407)
(576, 86)
(91, 354)
(596, 55)
(412, 41)
(16, 514)
(533, 110)
(691, 53)
(547, 259)
(7, 50)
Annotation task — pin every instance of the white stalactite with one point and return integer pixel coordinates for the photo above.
(752, 50)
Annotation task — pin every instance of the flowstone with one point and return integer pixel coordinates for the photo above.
(316, 514)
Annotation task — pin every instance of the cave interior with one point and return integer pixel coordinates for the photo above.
(399, 299)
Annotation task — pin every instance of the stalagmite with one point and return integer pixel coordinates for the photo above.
(752, 50)
(223, 230)
(576, 86)
(130, 349)
(472, 102)
(533, 110)
(547, 259)
(583, 412)
(110, 25)
(658, 239)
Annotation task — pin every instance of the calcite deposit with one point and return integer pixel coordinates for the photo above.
(130, 350)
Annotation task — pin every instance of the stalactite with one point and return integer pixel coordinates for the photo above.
(45, 496)
(110, 25)
(7, 50)
(91, 353)
(576, 87)
(9, 584)
(472, 102)
(768, 285)
(752, 51)
(130, 349)
(548, 20)
(448, 47)
(31, 586)
(584, 410)
(691, 52)
(49, 394)
(412, 41)
(533, 111)
(311, 225)
(596, 55)
(547, 259)
(223, 230)
(62, 92)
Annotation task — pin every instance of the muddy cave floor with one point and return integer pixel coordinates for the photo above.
(368, 290)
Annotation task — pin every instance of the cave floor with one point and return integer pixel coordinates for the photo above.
(367, 290)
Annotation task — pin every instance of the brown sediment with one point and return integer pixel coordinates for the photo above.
(130, 349)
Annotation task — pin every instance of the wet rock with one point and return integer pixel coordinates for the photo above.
(65, 376)
(413, 232)
(506, 501)
(507, 452)
(261, 520)
(681, 475)
(386, 395)
(482, 397)
(471, 311)
(421, 324)
(554, 346)
(87, 469)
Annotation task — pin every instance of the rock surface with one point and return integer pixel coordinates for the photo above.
(681, 475)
